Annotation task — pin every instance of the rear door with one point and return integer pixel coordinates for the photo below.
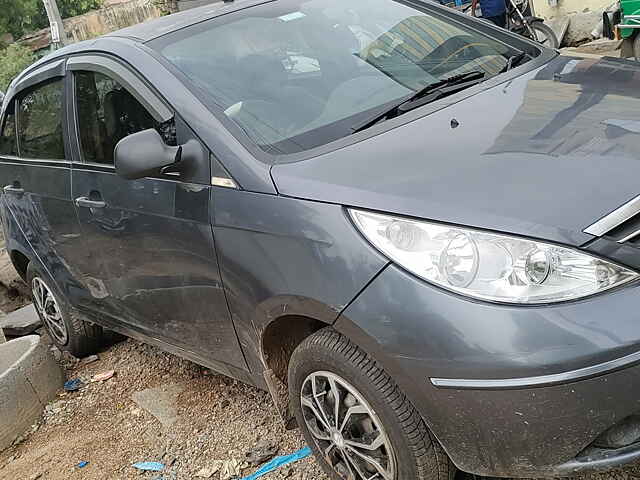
(153, 265)
(35, 173)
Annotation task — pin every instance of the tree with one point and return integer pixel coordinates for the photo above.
(29, 15)
(18, 16)
(15, 58)
(167, 7)
(72, 8)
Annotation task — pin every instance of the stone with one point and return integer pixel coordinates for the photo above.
(207, 472)
(261, 453)
(160, 402)
(23, 321)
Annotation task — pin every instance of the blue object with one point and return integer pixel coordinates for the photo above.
(149, 466)
(82, 464)
(279, 462)
(73, 385)
(492, 8)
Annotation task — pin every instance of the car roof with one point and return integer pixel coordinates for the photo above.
(147, 31)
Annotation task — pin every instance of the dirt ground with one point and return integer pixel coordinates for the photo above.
(217, 419)
(13, 291)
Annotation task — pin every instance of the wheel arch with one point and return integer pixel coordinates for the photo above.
(20, 262)
(282, 336)
(278, 341)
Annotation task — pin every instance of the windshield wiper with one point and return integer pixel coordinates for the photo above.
(514, 60)
(428, 94)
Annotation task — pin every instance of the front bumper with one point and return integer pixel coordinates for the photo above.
(508, 391)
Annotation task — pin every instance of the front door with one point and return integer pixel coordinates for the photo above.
(153, 266)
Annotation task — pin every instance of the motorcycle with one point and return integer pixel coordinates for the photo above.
(520, 21)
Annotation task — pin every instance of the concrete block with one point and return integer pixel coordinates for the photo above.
(23, 321)
(44, 375)
(29, 379)
(582, 24)
(19, 406)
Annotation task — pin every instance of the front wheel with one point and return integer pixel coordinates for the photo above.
(355, 418)
(545, 35)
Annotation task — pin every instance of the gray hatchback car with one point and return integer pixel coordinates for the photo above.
(419, 232)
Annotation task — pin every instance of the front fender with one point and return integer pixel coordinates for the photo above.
(282, 256)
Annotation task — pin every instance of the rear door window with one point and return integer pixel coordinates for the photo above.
(40, 122)
(8, 138)
(107, 113)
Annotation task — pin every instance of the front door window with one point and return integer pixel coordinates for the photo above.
(107, 113)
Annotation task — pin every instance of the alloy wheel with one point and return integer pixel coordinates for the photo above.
(346, 429)
(49, 310)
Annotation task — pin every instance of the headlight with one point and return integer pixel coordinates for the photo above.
(487, 266)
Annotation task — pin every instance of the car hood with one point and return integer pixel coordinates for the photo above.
(544, 155)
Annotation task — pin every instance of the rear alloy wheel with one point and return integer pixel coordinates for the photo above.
(49, 310)
(357, 421)
(67, 331)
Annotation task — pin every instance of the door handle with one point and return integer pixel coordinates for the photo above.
(88, 203)
(15, 189)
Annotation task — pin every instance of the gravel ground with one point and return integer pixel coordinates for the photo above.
(217, 419)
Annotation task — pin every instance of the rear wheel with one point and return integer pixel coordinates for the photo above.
(545, 35)
(355, 418)
(68, 332)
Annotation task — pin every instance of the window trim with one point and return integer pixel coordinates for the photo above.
(119, 72)
(41, 75)
(36, 77)
(3, 123)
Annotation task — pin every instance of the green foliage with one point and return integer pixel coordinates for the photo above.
(166, 7)
(19, 17)
(71, 8)
(15, 58)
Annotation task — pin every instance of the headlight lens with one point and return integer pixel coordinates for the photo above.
(487, 266)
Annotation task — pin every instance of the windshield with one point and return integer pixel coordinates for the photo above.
(296, 74)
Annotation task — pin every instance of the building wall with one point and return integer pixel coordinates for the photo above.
(105, 20)
(116, 14)
(568, 7)
(583, 15)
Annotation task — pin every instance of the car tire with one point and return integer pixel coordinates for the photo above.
(372, 412)
(67, 331)
(636, 47)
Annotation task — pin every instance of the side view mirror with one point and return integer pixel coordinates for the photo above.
(144, 154)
